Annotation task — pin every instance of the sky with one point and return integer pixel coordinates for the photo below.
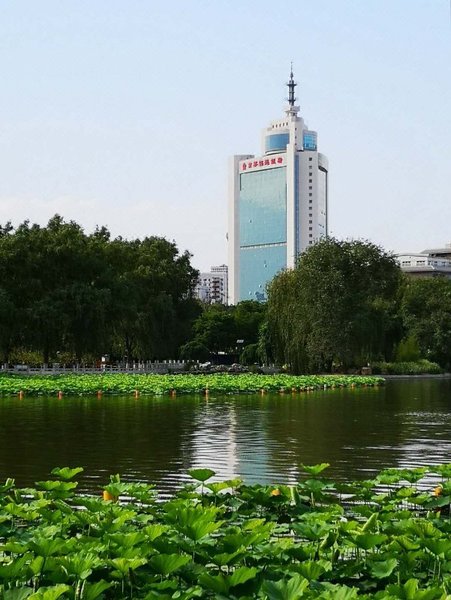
(125, 113)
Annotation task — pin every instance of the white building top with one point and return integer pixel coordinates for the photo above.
(424, 263)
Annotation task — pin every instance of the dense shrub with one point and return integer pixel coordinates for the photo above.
(408, 350)
(420, 367)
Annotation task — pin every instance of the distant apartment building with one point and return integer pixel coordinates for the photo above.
(432, 262)
(212, 287)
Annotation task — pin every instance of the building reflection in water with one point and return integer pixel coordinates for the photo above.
(261, 439)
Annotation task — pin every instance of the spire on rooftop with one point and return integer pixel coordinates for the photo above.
(292, 108)
(291, 85)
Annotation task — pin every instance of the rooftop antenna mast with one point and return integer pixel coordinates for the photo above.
(291, 85)
(292, 108)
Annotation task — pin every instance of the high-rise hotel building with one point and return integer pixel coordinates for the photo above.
(277, 203)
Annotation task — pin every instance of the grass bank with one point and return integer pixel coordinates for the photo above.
(384, 538)
(176, 384)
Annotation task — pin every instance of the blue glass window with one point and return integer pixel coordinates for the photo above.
(277, 142)
(310, 140)
(258, 265)
(263, 207)
(263, 230)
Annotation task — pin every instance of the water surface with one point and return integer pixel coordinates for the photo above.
(259, 438)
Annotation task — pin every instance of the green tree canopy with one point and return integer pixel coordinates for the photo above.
(62, 290)
(218, 328)
(249, 316)
(338, 305)
(426, 313)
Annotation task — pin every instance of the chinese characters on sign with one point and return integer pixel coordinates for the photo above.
(263, 162)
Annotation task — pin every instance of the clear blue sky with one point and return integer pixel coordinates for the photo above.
(124, 113)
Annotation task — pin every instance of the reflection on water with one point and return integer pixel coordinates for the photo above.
(258, 438)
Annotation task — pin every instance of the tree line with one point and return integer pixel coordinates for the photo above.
(68, 296)
(64, 293)
(348, 304)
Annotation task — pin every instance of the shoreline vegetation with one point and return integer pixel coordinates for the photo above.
(70, 297)
(383, 538)
(152, 384)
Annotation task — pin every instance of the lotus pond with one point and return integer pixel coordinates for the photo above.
(382, 538)
(262, 438)
(118, 383)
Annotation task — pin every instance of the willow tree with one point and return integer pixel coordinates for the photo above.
(337, 306)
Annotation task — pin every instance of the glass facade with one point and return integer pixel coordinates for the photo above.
(263, 229)
(277, 142)
(310, 140)
(263, 207)
(258, 265)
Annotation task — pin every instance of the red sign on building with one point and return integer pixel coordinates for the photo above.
(262, 162)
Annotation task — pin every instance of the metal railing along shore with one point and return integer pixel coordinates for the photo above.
(168, 366)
